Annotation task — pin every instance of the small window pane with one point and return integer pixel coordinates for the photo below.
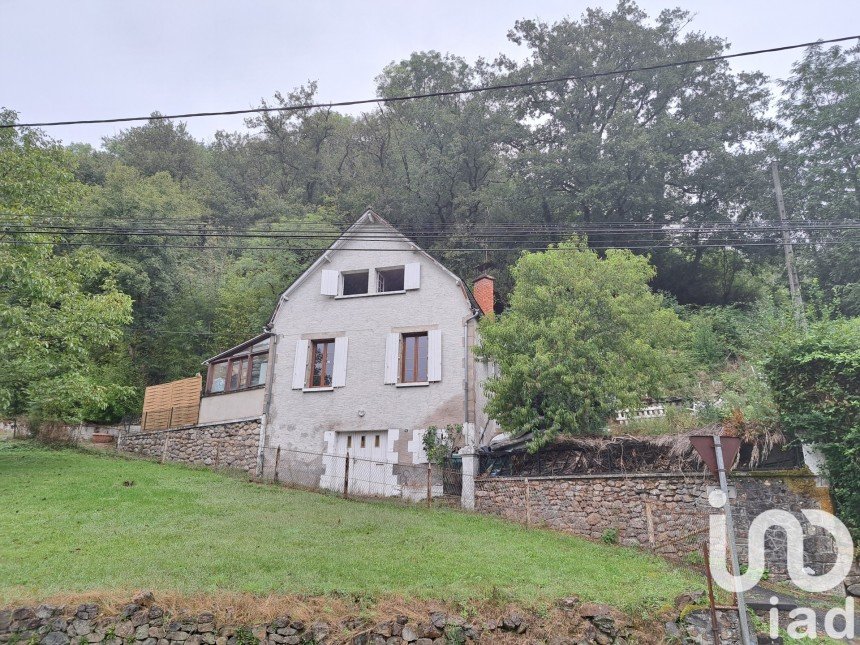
(238, 374)
(329, 363)
(219, 377)
(409, 359)
(376, 441)
(259, 367)
(316, 376)
(421, 357)
(363, 440)
(355, 284)
(323, 363)
(389, 280)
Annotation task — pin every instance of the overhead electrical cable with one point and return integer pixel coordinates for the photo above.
(631, 244)
(439, 94)
(728, 233)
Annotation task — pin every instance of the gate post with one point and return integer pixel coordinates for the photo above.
(470, 471)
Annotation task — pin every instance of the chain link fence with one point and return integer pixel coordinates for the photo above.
(353, 476)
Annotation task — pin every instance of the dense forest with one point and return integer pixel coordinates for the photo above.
(129, 264)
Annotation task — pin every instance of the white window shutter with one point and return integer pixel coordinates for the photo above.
(338, 377)
(412, 276)
(392, 349)
(300, 366)
(329, 283)
(434, 355)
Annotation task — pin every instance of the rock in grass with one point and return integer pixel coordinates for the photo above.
(143, 598)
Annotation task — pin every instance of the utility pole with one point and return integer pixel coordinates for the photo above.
(793, 281)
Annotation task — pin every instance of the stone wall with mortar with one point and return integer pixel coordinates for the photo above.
(667, 513)
(220, 445)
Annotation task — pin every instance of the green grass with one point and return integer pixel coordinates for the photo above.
(68, 524)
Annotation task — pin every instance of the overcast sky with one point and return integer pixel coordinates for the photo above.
(105, 58)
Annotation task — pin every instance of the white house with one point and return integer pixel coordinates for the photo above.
(369, 347)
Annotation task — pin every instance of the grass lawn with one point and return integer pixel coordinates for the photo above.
(69, 524)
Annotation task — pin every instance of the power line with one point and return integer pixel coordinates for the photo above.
(631, 228)
(633, 245)
(410, 97)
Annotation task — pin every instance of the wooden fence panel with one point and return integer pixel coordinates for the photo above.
(171, 405)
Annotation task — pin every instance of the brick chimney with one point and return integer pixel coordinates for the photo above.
(484, 293)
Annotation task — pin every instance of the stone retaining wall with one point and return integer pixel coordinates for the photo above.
(219, 445)
(145, 623)
(664, 512)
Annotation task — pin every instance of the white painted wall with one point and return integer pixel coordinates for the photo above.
(232, 406)
(299, 420)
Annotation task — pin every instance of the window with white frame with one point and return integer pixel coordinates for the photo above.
(413, 357)
(369, 282)
(388, 280)
(320, 364)
(355, 283)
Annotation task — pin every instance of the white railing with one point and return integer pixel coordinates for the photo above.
(642, 414)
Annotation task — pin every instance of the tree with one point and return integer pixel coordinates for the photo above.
(158, 146)
(155, 270)
(822, 159)
(675, 145)
(583, 336)
(61, 314)
(61, 332)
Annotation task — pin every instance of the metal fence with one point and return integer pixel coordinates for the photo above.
(352, 476)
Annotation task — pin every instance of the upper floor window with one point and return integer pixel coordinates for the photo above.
(356, 283)
(389, 279)
(368, 282)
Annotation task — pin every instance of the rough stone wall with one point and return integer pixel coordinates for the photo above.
(223, 445)
(146, 623)
(667, 513)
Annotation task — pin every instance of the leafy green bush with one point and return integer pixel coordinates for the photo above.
(816, 385)
(583, 336)
(728, 347)
(439, 444)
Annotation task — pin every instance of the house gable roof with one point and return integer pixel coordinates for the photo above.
(369, 217)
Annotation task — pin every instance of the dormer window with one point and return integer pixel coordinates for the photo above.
(389, 280)
(356, 283)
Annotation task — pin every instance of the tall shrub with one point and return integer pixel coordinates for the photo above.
(816, 385)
